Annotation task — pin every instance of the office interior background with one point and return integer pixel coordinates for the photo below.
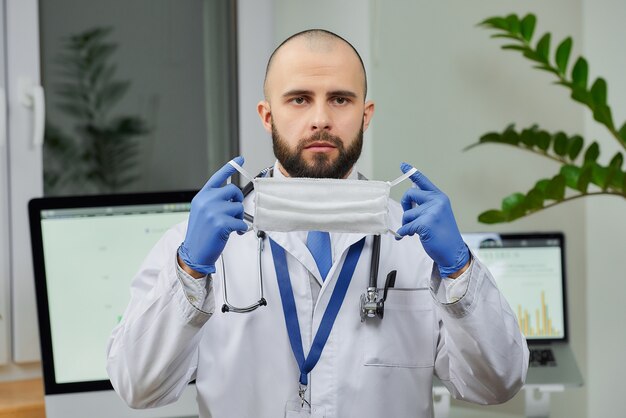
(439, 83)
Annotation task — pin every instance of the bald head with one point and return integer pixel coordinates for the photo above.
(314, 40)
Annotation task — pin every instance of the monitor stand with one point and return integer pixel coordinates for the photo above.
(537, 400)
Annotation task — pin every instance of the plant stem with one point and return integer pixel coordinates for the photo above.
(578, 196)
(531, 150)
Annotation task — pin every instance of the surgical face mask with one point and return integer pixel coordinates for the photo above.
(332, 205)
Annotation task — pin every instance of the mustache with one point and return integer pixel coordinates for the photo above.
(320, 136)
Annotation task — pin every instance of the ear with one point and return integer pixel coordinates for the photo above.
(265, 113)
(368, 113)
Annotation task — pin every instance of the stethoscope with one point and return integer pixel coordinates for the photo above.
(371, 304)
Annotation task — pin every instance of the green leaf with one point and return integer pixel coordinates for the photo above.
(490, 137)
(617, 160)
(513, 201)
(546, 68)
(527, 136)
(580, 73)
(581, 95)
(556, 188)
(542, 140)
(111, 94)
(592, 153)
(509, 136)
(560, 144)
(602, 113)
(532, 55)
(505, 35)
(97, 55)
(514, 47)
(622, 132)
(563, 83)
(617, 182)
(598, 91)
(492, 217)
(496, 22)
(562, 55)
(527, 26)
(614, 173)
(542, 186)
(585, 177)
(575, 146)
(543, 48)
(534, 199)
(514, 23)
(570, 173)
(75, 110)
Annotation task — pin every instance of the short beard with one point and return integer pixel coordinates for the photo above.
(322, 166)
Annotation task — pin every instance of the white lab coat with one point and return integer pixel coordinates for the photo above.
(243, 363)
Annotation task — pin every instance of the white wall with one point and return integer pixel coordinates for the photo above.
(255, 42)
(603, 22)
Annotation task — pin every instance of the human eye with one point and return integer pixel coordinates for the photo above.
(300, 100)
(341, 100)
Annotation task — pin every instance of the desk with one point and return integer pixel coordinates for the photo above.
(22, 399)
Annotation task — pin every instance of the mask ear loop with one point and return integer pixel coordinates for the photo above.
(242, 171)
(395, 183)
(247, 218)
(401, 178)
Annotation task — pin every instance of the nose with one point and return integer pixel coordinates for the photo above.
(321, 118)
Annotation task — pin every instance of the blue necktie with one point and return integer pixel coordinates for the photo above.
(318, 242)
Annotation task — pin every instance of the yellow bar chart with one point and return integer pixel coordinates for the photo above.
(542, 322)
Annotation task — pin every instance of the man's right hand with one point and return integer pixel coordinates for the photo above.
(215, 212)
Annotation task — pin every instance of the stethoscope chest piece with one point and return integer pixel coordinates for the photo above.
(371, 305)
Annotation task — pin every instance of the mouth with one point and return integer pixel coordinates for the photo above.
(320, 146)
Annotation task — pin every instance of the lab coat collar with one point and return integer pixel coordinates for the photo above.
(296, 246)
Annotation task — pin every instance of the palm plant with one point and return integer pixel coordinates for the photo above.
(580, 173)
(102, 156)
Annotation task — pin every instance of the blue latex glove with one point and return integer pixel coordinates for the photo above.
(215, 213)
(432, 219)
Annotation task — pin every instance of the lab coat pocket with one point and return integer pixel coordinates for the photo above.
(405, 336)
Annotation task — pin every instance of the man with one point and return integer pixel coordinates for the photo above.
(444, 316)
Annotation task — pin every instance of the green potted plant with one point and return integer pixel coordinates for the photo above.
(580, 174)
(102, 154)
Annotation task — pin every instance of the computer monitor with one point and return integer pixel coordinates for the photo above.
(529, 269)
(86, 251)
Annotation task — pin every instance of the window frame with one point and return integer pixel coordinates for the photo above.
(5, 284)
(21, 178)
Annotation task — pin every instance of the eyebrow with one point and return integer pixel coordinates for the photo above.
(344, 93)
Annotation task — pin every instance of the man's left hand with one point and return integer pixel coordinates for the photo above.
(432, 219)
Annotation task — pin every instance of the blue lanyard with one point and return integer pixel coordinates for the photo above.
(291, 315)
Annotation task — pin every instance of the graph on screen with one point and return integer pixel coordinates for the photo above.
(539, 323)
(531, 280)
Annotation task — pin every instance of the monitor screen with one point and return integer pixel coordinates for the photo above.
(529, 271)
(90, 255)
